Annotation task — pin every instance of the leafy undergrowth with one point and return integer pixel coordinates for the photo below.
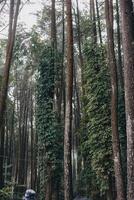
(5, 193)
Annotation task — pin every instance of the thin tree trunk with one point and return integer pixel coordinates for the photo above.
(94, 35)
(5, 79)
(63, 52)
(32, 143)
(49, 183)
(68, 114)
(54, 51)
(2, 96)
(127, 18)
(57, 91)
(53, 26)
(114, 101)
(79, 35)
(9, 52)
(26, 140)
(120, 64)
(121, 100)
(23, 137)
(93, 21)
(2, 157)
(75, 128)
(78, 93)
(12, 137)
(98, 20)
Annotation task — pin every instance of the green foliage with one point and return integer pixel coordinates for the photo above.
(96, 132)
(50, 137)
(5, 193)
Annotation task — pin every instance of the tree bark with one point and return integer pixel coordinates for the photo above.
(79, 35)
(127, 18)
(63, 52)
(49, 183)
(114, 101)
(33, 154)
(2, 157)
(23, 131)
(68, 114)
(9, 52)
(120, 66)
(5, 79)
(98, 20)
(53, 26)
(93, 21)
(78, 94)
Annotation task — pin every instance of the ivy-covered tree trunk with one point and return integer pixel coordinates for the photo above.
(57, 99)
(49, 133)
(114, 101)
(68, 114)
(127, 18)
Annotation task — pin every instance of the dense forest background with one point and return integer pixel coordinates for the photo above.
(67, 100)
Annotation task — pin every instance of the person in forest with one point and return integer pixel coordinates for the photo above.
(30, 195)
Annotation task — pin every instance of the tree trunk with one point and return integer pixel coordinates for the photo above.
(114, 101)
(5, 78)
(79, 35)
(23, 132)
(53, 26)
(33, 155)
(120, 66)
(2, 157)
(127, 18)
(9, 52)
(54, 51)
(68, 114)
(49, 183)
(78, 94)
(63, 52)
(93, 21)
(98, 20)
